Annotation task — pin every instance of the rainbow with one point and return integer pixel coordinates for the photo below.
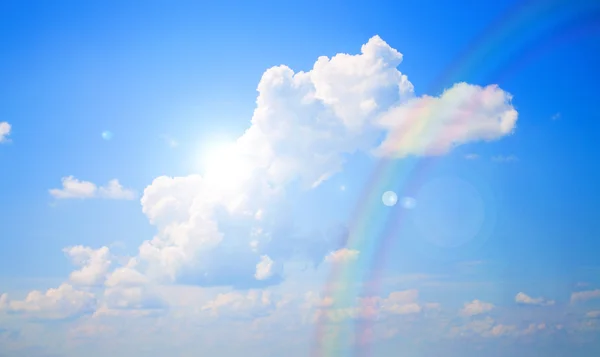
(522, 34)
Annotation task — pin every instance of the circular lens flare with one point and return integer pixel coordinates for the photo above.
(389, 198)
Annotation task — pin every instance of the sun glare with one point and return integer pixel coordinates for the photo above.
(224, 164)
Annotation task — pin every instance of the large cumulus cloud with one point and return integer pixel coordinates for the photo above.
(229, 225)
(303, 127)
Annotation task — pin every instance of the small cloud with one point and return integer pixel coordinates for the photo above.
(115, 191)
(5, 129)
(523, 298)
(342, 188)
(555, 116)
(505, 159)
(581, 296)
(472, 156)
(342, 255)
(74, 188)
(264, 268)
(476, 307)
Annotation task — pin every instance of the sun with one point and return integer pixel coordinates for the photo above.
(225, 164)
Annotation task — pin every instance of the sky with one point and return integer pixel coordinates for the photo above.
(315, 178)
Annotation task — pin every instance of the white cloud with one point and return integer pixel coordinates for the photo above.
(137, 299)
(264, 268)
(523, 298)
(126, 276)
(60, 303)
(556, 116)
(303, 127)
(5, 129)
(476, 307)
(115, 191)
(472, 156)
(404, 303)
(435, 125)
(581, 296)
(74, 188)
(239, 306)
(342, 255)
(94, 264)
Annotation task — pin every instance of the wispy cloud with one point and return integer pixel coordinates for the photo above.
(555, 116)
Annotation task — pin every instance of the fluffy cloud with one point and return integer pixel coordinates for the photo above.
(402, 302)
(94, 264)
(128, 292)
(115, 191)
(60, 303)
(236, 305)
(264, 268)
(304, 125)
(5, 129)
(434, 125)
(581, 296)
(523, 298)
(131, 300)
(74, 188)
(476, 307)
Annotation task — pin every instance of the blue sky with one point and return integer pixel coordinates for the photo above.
(225, 192)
